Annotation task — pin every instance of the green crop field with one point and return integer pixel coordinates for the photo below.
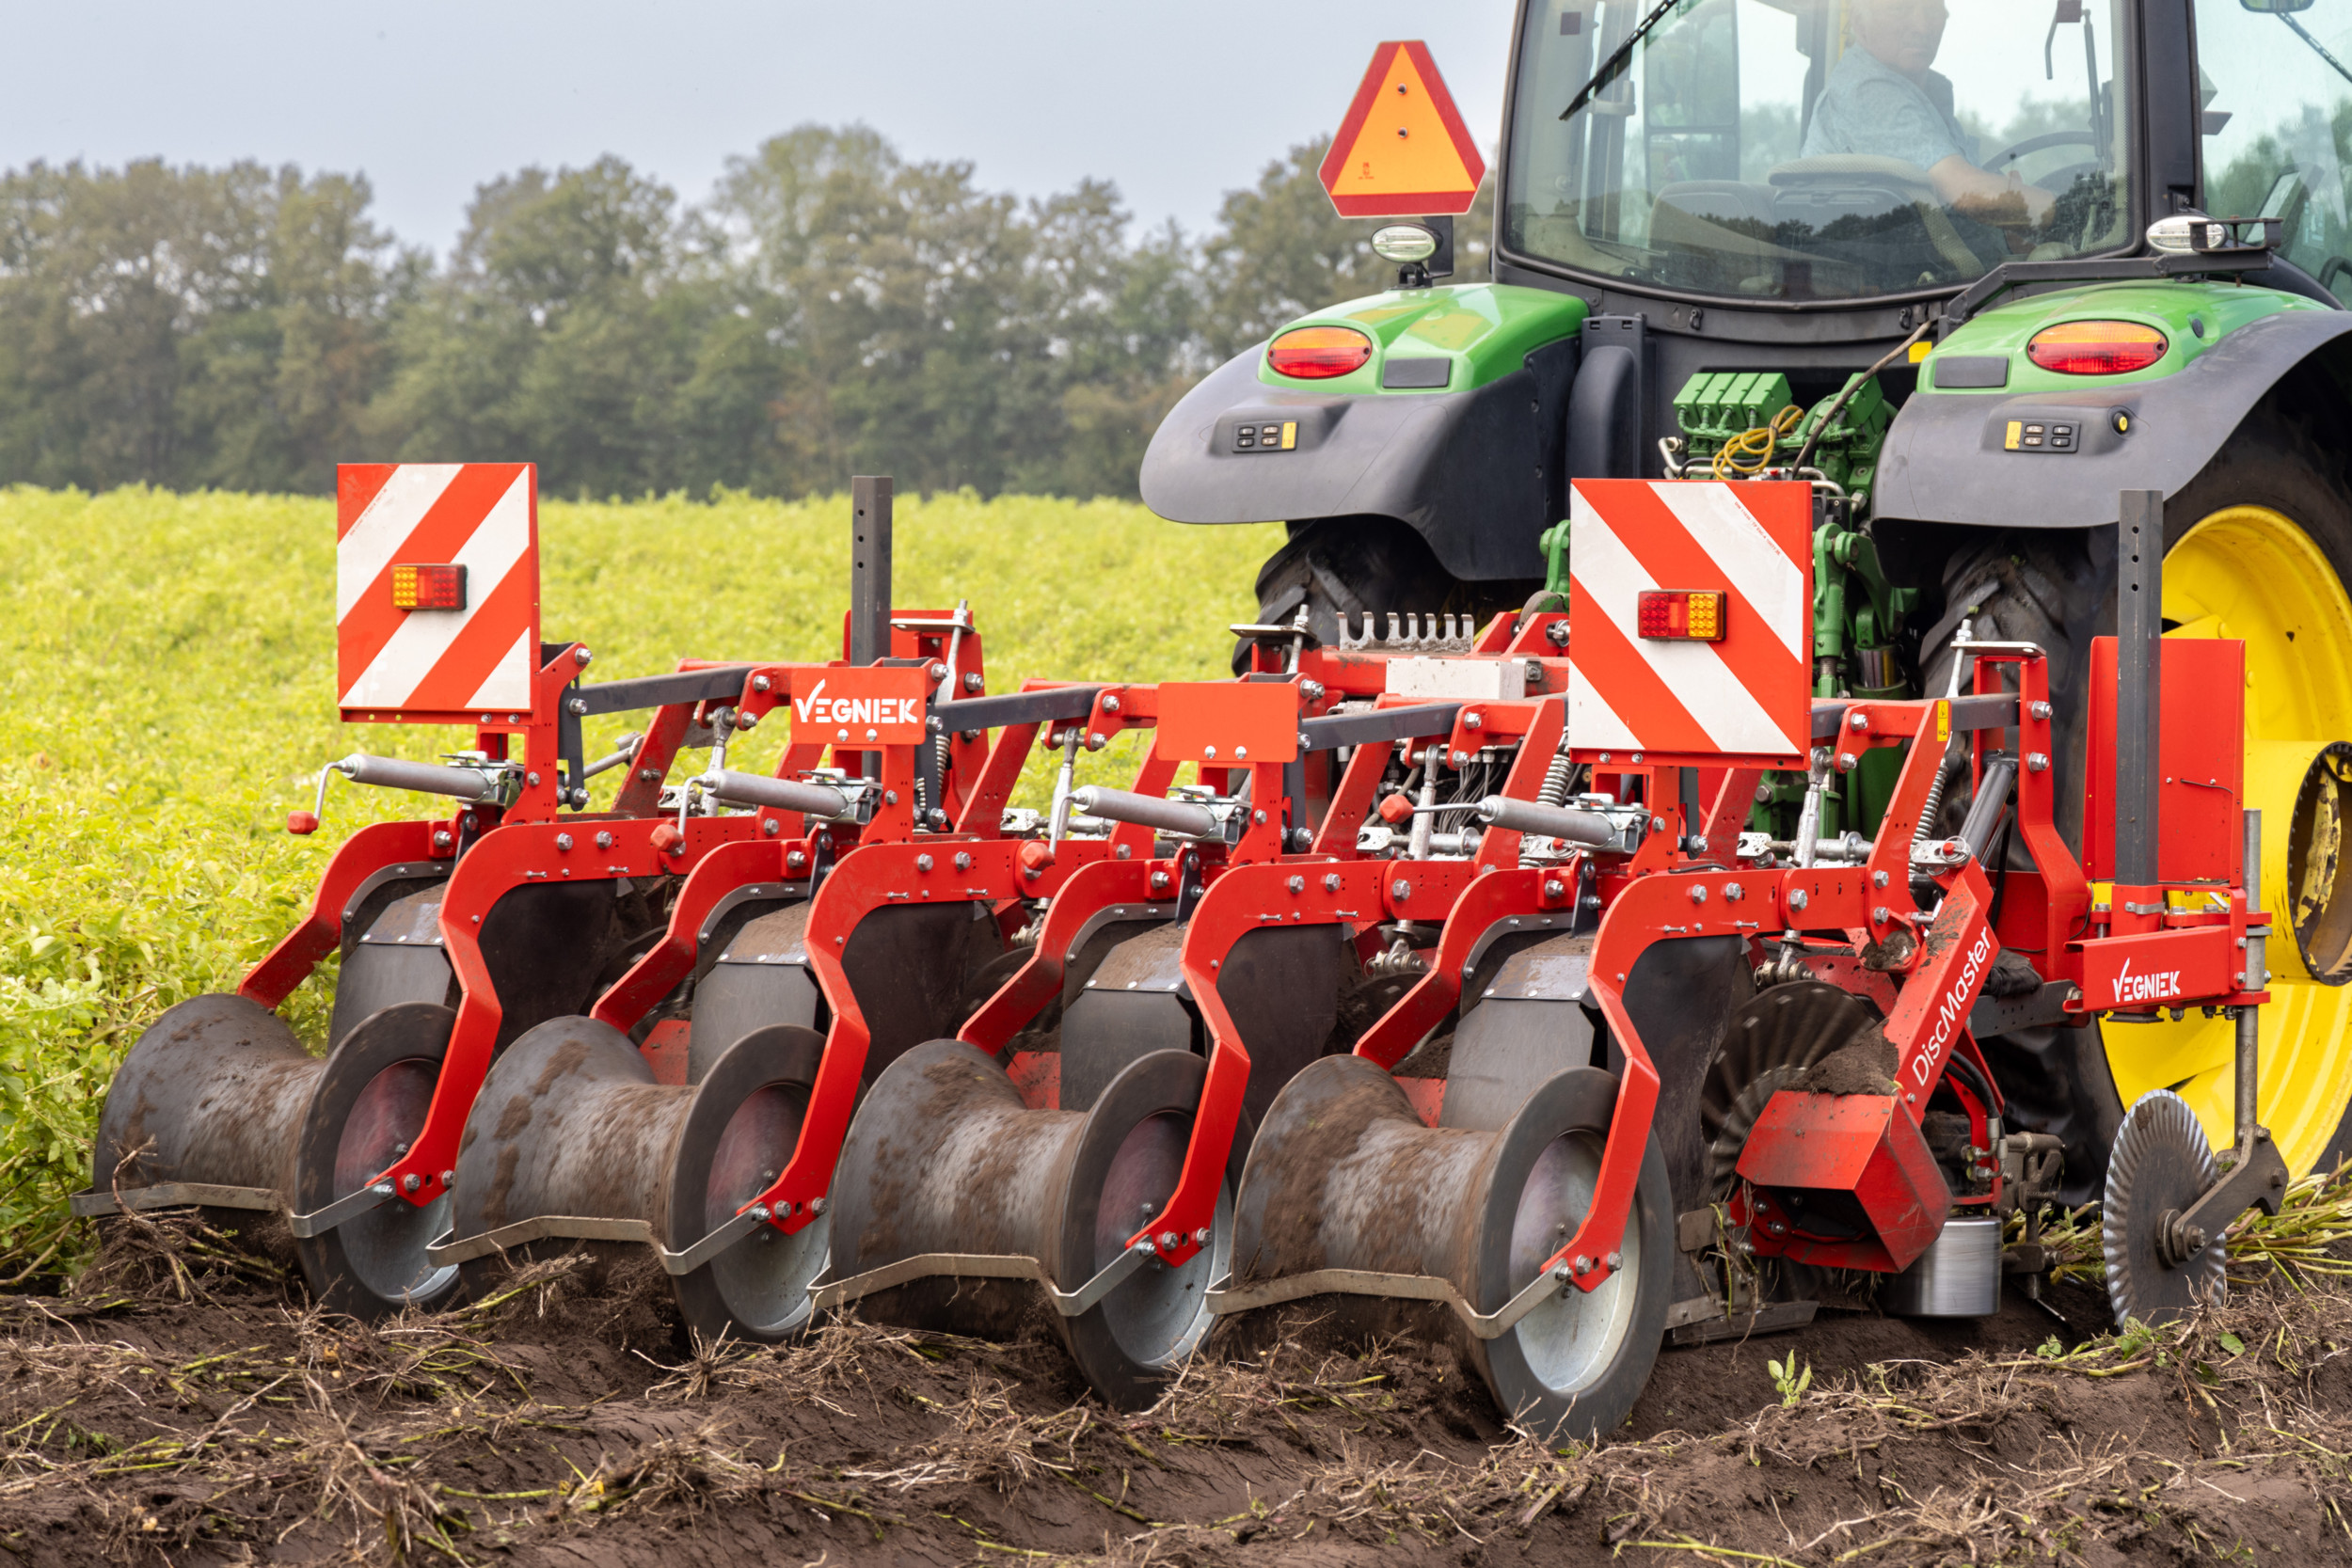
(170, 664)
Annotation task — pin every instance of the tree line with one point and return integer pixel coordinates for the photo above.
(831, 307)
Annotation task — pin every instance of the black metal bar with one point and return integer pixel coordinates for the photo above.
(1378, 725)
(1995, 710)
(571, 747)
(1018, 708)
(2018, 274)
(2139, 649)
(687, 685)
(869, 568)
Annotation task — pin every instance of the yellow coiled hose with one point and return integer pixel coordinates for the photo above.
(1751, 451)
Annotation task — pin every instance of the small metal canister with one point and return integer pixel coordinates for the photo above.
(1959, 1276)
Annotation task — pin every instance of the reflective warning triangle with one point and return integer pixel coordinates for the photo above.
(1402, 150)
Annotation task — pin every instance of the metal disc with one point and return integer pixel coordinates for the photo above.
(2160, 1166)
(1773, 1038)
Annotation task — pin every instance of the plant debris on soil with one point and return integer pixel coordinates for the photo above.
(180, 1405)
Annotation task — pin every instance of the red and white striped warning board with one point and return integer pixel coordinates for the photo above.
(1691, 604)
(436, 590)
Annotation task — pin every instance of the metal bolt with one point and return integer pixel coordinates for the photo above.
(1209, 751)
(1590, 903)
(1796, 899)
(771, 828)
(1534, 670)
(1159, 881)
(1257, 818)
(1400, 890)
(872, 734)
(1581, 1263)
(411, 1181)
(922, 862)
(575, 704)
(649, 775)
(531, 778)
(2040, 710)
(1554, 888)
(1616, 1259)
(1144, 1245)
(1200, 1237)
(1878, 879)
(761, 683)
(1878, 914)
(1845, 762)
(441, 839)
(815, 1205)
(1241, 754)
(1110, 701)
(1696, 844)
(2037, 763)
(1857, 721)
(964, 861)
(1698, 895)
(1311, 690)
(1460, 757)
(1733, 893)
(747, 721)
(1170, 1239)
(604, 841)
(1096, 740)
(937, 672)
(449, 1179)
(1299, 884)
(582, 655)
(890, 796)
(796, 859)
(564, 842)
(1778, 1229)
(972, 681)
(1474, 721)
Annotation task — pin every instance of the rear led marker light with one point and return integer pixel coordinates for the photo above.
(429, 587)
(1681, 615)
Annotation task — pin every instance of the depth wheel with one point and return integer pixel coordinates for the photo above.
(1574, 1366)
(1126, 1163)
(367, 1109)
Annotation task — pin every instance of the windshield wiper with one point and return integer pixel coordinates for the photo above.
(2318, 48)
(1613, 66)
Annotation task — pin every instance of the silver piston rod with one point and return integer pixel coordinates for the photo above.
(756, 790)
(477, 785)
(1179, 818)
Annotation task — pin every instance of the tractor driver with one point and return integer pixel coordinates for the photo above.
(1881, 99)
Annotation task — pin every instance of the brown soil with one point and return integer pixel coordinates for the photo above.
(181, 1406)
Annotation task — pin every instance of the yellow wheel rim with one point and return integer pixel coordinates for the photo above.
(2247, 572)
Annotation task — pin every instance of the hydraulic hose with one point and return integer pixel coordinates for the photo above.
(755, 789)
(1179, 818)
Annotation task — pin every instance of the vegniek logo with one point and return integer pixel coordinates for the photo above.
(2154, 986)
(817, 708)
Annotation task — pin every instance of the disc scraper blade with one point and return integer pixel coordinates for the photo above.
(2157, 1271)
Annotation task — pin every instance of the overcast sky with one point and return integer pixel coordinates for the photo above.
(1176, 102)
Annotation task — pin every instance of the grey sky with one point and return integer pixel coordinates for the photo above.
(1175, 102)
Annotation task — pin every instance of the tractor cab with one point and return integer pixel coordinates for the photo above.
(1796, 151)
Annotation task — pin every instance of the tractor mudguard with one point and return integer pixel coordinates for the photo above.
(1946, 458)
(1478, 473)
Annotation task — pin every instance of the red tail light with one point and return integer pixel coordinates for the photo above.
(1680, 615)
(2096, 348)
(428, 587)
(1318, 352)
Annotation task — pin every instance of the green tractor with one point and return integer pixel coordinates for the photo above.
(1957, 269)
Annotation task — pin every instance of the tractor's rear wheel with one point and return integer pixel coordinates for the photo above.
(2258, 547)
(1344, 568)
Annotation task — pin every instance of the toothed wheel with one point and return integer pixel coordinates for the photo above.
(2159, 1267)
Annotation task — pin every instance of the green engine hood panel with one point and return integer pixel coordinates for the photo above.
(1482, 330)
